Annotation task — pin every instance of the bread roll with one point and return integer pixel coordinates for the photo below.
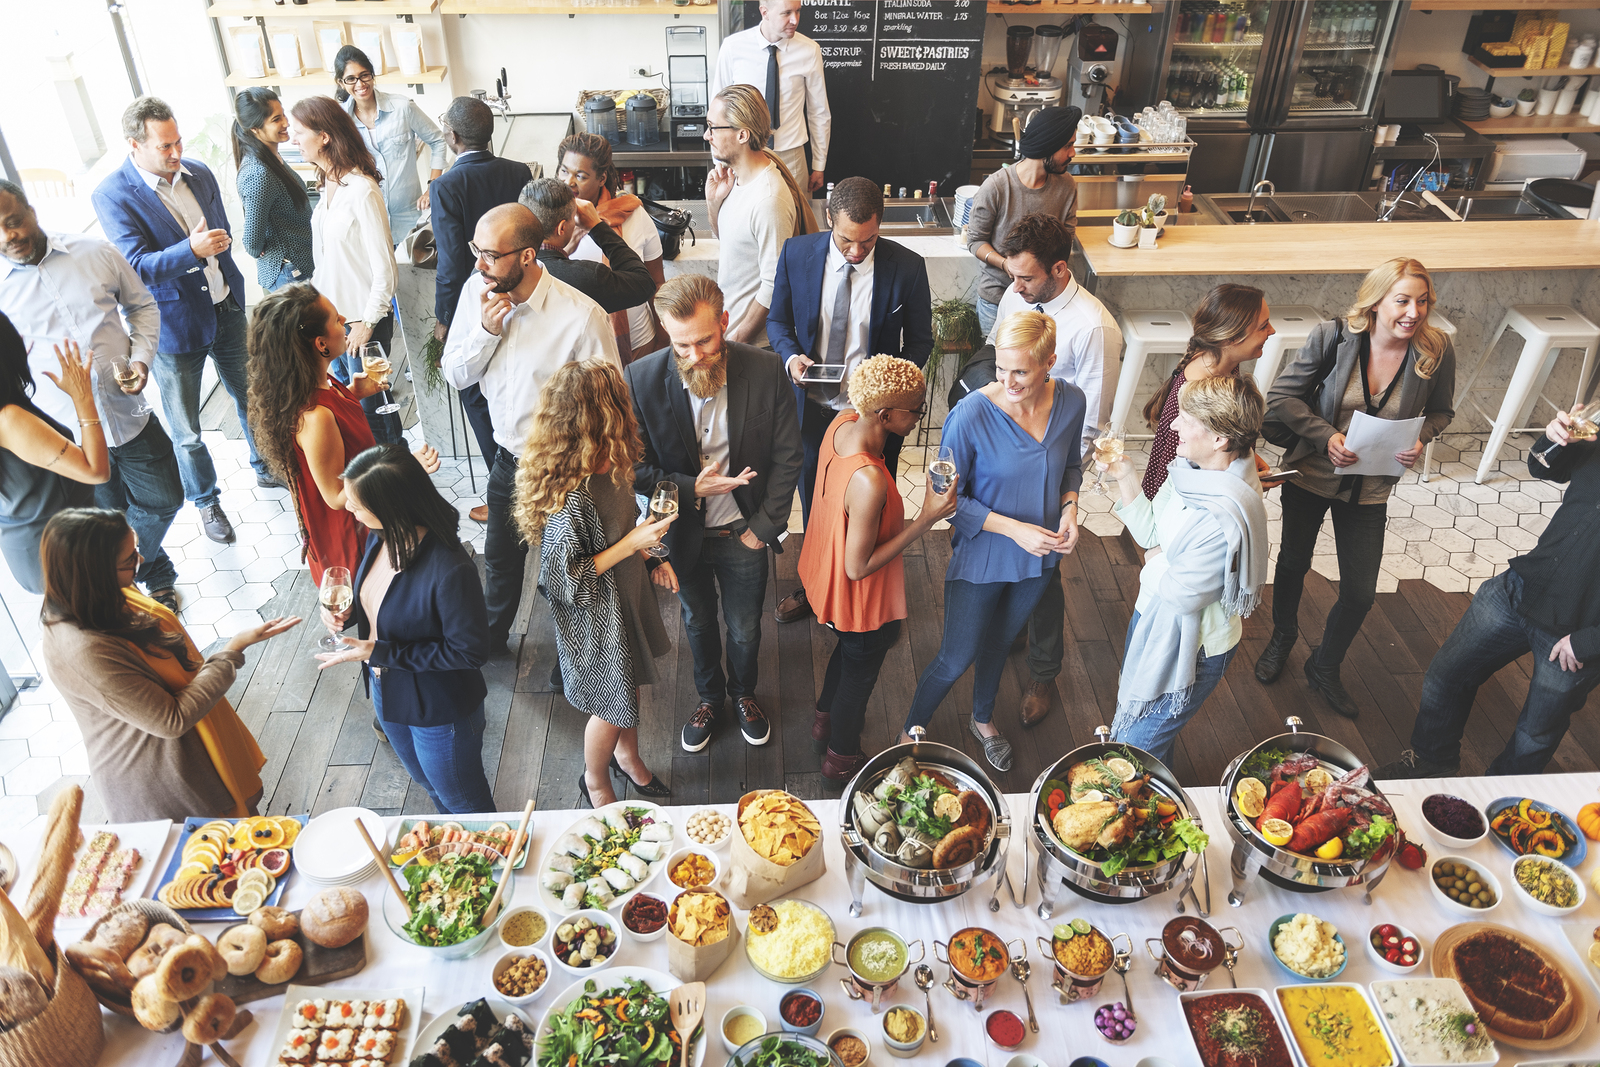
(277, 923)
(334, 917)
(122, 932)
(21, 998)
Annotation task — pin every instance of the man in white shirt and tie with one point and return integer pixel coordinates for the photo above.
(514, 325)
(786, 66)
(59, 286)
(1088, 354)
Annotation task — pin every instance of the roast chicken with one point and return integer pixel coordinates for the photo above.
(1102, 824)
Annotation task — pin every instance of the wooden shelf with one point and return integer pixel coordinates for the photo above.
(321, 9)
(1503, 5)
(1068, 7)
(1526, 72)
(539, 7)
(1573, 123)
(322, 79)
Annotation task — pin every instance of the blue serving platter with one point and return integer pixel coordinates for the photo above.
(190, 825)
(1574, 857)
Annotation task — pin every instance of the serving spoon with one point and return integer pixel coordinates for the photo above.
(1020, 970)
(924, 979)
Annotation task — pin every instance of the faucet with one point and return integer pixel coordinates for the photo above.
(1249, 210)
(500, 102)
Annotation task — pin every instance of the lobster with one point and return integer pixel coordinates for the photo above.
(1292, 768)
(1319, 829)
(1283, 804)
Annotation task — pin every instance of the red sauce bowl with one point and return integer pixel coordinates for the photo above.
(1006, 1029)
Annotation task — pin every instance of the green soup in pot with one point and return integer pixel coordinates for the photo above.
(878, 956)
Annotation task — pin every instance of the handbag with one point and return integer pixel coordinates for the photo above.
(1275, 430)
(417, 248)
(670, 225)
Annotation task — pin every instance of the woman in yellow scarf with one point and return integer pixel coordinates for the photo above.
(162, 739)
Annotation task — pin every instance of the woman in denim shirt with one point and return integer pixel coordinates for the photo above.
(392, 126)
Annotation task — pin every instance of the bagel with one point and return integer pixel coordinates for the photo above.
(208, 1019)
(153, 1010)
(147, 957)
(276, 923)
(243, 947)
(281, 964)
(219, 966)
(184, 972)
(122, 932)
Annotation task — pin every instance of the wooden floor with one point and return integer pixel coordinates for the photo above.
(322, 752)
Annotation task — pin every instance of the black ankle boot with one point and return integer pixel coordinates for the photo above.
(1274, 656)
(1325, 680)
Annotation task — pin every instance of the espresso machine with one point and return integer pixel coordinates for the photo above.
(689, 78)
(1027, 84)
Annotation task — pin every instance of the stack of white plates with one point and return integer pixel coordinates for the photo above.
(329, 851)
(963, 204)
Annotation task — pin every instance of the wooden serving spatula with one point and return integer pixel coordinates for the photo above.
(686, 1007)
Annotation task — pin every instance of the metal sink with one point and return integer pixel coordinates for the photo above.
(904, 218)
(1234, 207)
(1305, 208)
(1496, 207)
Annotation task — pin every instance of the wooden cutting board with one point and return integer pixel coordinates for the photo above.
(318, 966)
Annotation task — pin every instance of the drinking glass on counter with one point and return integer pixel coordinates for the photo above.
(1582, 428)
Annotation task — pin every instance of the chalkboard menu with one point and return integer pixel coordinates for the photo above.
(902, 86)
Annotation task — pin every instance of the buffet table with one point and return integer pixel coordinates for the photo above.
(1064, 1031)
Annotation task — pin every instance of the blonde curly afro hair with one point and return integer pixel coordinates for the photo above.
(879, 379)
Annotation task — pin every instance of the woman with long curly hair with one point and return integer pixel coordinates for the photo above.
(575, 496)
(163, 741)
(308, 425)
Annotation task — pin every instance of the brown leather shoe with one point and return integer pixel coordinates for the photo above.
(840, 769)
(793, 607)
(821, 730)
(1036, 702)
(479, 513)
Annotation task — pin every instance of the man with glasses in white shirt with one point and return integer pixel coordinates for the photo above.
(786, 66)
(514, 325)
(55, 287)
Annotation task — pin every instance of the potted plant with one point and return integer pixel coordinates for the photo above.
(955, 331)
(1156, 211)
(1125, 229)
(1527, 100)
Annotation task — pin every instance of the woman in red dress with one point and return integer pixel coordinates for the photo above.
(308, 426)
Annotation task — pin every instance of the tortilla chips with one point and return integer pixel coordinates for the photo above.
(699, 918)
(779, 827)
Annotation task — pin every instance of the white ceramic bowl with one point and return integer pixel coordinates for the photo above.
(733, 1013)
(599, 918)
(1498, 112)
(658, 934)
(1022, 1059)
(903, 1049)
(678, 857)
(1483, 874)
(1538, 905)
(513, 956)
(845, 1031)
(519, 909)
(1447, 840)
(721, 842)
(1377, 957)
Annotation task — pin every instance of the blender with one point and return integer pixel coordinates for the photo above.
(1025, 88)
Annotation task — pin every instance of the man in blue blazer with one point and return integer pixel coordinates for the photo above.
(877, 288)
(166, 216)
(479, 180)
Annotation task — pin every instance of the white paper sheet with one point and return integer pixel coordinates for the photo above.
(1376, 441)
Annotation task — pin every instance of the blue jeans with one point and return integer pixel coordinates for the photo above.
(1490, 635)
(446, 760)
(286, 276)
(980, 620)
(145, 485)
(986, 316)
(740, 574)
(1153, 725)
(505, 554)
(852, 674)
(385, 428)
(177, 375)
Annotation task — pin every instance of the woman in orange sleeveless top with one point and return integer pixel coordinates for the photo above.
(850, 563)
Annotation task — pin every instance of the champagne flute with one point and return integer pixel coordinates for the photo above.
(126, 377)
(1107, 449)
(375, 365)
(336, 594)
(942, 471)
(663, 505)
(1582, 428)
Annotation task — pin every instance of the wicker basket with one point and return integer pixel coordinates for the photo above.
(622, 109)
(155, 912)
(68, 1033)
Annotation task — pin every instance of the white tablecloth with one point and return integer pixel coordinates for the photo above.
(1065, 1031)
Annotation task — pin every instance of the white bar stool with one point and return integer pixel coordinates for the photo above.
(1546, 329)
(1437, 320)
(1292, 324)
(1144, 334)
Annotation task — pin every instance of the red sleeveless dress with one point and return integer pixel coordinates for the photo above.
(333, 538)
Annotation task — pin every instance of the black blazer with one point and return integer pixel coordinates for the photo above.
(763, 434)
(625, 284)
(902, 306)
(436, 635)
(459, 198)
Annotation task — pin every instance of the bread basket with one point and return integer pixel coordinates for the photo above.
(68, 1033)
(155, 912)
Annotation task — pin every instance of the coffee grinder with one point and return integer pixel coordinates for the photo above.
(1025, 87)
(689, 78)
(1088, 70)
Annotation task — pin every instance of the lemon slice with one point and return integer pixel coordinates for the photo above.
(1317, 779)
(948, 806)
(1121, 768)
(1594, 953)
(1090, 796)
(1331, 850)
(1276, 831)
(256, 876)
(400, 856)
(1250, 796)
(248, 900)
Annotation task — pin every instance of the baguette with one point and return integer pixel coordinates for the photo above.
(55, 864)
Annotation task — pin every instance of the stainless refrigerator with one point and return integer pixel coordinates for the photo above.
(1286, 90)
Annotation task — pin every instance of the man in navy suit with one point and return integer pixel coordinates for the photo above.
(841, 297)
(166, 216)
(478, 181)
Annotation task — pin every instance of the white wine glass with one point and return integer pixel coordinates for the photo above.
(375, 365)
(336, 594)
(1107, 450)
(942, 470)
(663, 505)
(124, 374)
(1582, 428)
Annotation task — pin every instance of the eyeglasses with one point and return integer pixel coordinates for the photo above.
(918, 412)
(709, 127)
(491, 257)
(357, 79)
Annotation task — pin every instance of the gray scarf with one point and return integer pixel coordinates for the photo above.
(1233, 497)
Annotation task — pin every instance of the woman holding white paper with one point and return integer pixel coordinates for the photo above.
(395, 130)
(1383, 359)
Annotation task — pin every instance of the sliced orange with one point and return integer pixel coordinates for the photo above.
(1276, 831)
(266, 834)
(291, 829)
